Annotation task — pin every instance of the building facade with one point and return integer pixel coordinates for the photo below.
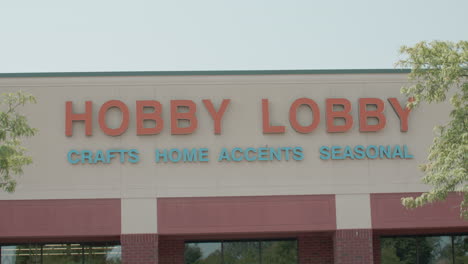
(226, 167)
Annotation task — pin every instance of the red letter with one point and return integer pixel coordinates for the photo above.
(190, 116)
(267, 128)
(402, 114)
(87, 117)
(293, 115)
(102, 118)
(345, 114)
(217, 116)
(364, 114)
(141, 116)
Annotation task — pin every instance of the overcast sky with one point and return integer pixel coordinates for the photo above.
(61, 36)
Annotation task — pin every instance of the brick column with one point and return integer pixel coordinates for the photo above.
(376, 248)
(353, 246)
(139, 248)
(171, 250)
(315, 249)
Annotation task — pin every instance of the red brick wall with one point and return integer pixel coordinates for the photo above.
(315, 249)
(171, 250)
(353, 246)
(139, 249)
(376, 248)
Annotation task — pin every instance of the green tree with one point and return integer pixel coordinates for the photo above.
(241, 252)
(461, 249)
(192, 254)
(279, 252)
(13, 126)
(399, 250)
(439, 70)
(214, 258)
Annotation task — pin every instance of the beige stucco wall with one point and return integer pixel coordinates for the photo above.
(52, 177)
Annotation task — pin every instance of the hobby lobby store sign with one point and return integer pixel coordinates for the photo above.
(184, 121)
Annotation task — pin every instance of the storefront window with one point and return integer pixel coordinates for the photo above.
(242, 252)
(436, 250)
(424, 250)
(201, 253)
(399, 250)
(102, 254)
(460, 245)
(61, 254)
(279, 252)
(21, 254)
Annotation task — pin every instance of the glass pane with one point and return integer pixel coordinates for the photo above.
(203, 253)
(435, 250)
(21, 254)
(460, 244)
(102, 254)
(62, 254)
(241, 252)
(399, 250)
(279, 252)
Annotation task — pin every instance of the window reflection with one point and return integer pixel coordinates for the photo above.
(202, 253)
(399, 250)
(61, 254)
(21, 254)
(279, 252)
(424, 250)
(436, 250)
(242, 252)
(460, 244)
(102, 254)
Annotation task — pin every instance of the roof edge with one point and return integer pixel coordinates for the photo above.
(198, 73)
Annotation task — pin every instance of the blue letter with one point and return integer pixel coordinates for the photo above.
(275, 154)
(359, 152)
(69, 156)
(190, 155)
(397, 152)
(325, 153)
(335, 152)
(262, 154)
(161, 155)
(171, 155)
(376, 152)
(286, 152)
(87, 155)
(298, 155)
(387, 151)
(233, 154)
(224, 155)
(246, 155)
(406, 153)
(203, 155)
(99, 157)
(133, 156)
(109, 155)
(348, 153)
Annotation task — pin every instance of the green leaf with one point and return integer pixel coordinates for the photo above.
(13, 127)
(440, 69)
